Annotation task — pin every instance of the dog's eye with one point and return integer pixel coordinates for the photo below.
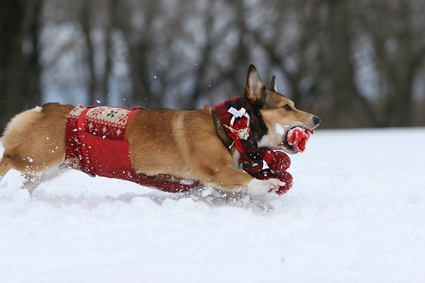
(287, 107)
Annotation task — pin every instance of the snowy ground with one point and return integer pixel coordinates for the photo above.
(356, 213)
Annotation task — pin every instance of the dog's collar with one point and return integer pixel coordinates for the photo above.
(236, 122)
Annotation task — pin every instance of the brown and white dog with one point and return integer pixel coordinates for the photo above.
(187, 144)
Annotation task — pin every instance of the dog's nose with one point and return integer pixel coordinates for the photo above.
(316, 120)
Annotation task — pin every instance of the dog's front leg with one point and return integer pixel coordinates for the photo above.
(232, 179)
(257, 186)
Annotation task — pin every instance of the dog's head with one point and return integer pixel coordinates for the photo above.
(273, 114)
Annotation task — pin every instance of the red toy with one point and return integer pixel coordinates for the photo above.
(297, 137)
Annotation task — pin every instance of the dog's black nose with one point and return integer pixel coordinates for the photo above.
(316, 120)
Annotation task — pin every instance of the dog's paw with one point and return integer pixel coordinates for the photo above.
(263, 186)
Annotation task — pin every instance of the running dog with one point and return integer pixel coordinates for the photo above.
(192, 145)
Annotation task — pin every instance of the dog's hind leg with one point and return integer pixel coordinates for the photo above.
(32, 180)
(34, 141)
(5, 165)
(31, 183)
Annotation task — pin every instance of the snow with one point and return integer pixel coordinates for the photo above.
(355, 214)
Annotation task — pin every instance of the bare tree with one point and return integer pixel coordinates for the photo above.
(186, 53)
(86, 26)
(398, 54)
(19, 56)
(110, 27)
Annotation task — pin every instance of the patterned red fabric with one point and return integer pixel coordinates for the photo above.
(96, 144)
(222, 111)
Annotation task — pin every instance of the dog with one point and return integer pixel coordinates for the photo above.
(191, 145)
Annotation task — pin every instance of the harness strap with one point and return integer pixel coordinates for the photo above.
(82, 129)
(133, 111)
(82, 120)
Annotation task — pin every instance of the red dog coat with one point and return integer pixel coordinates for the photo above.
(96, 144)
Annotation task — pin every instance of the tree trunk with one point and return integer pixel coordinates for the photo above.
(11, 59)
(405, 71)
(349, 107)
(86, 27)
(32, 66)
(110, 25)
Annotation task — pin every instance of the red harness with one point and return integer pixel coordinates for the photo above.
(96, 144)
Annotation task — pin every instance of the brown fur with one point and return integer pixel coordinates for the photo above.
(187, 144)
(177, 140)
(34, 139)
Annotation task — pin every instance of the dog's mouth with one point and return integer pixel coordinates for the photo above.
(295, 144)
(289, 148)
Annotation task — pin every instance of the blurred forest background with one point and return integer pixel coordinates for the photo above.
(353, 63)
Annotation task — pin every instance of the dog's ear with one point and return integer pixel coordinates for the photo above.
(254, 86)
(272, 85)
